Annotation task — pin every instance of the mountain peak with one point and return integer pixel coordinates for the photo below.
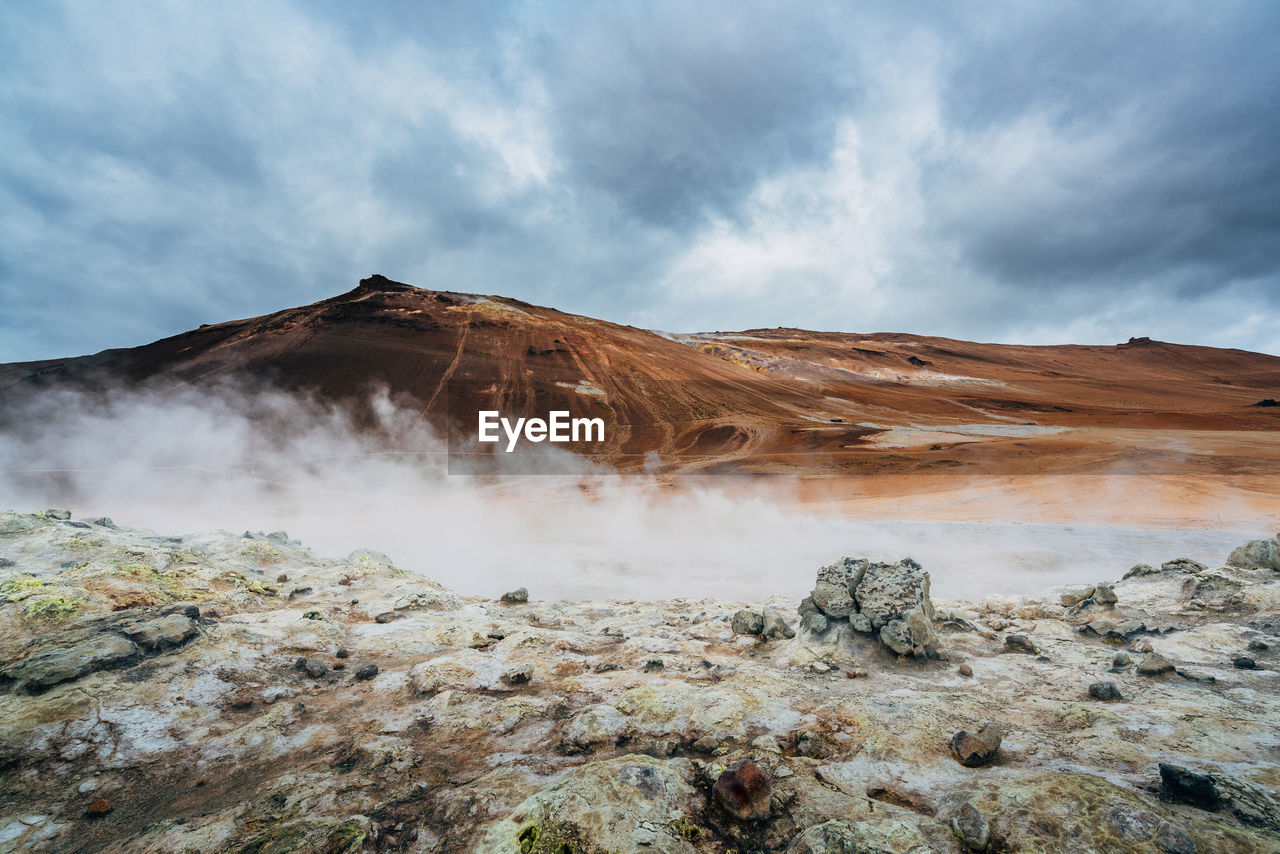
(379, 282)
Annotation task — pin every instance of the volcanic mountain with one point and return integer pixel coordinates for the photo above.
(761, 400)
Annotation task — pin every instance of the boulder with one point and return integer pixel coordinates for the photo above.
(748, 622)
(1183, 564)
(889, 590)
(744, 790)
(973, 749)
(1104, 594)
(1154, 664)
(1256, 554)
(910, 636)
(515, 597)
(833, 590)
(1105, 691)
(774, 625)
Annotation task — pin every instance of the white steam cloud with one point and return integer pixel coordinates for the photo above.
(193, 459)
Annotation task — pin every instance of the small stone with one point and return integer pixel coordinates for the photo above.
(654, 664)
(1154, 665)
(1258, 646)
(366, 672)
(342, 653)
(1243, 662)
(1105, 691)
(282, 578)
(767, 743)
(315, 667)
(965, 670)
(339, 665)
(747, 622)
(515, 597)
(971, 828)
(518, 675)
(61, 515)
(1020, 644)
(1143, 648)
(706, 744)
(98, 808)
(855, 673)
(812, 619)
(744, 791)
(1121, 660)
(1105, 594)
(386, 617)
(973, 749)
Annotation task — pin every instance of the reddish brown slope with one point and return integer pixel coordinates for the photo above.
(762, 400)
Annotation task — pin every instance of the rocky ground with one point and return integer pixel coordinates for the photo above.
(223, 692)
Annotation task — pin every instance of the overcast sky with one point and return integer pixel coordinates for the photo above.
(1025, 172)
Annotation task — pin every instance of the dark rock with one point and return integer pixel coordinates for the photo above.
(282, 578)
(1121, 659)
(515, 597)
(747, 622)
(971, 828)
(103, 522)
(973, 749)
(1183, 784)
(342, 653)
(60, 515)
(77, 524)
(518, 675)
(1105, 691)
(1258, 646)
(98, 808)
(386, 617)
(1243, 662)
(299, 591)
(744, 791)
(1021, 644)
(48, 667)
(366, 672)
(315, 667)
(1153, 664)
(654, 664)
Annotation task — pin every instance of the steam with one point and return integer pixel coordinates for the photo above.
(196, 458)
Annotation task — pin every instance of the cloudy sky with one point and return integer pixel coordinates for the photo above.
(1024, 172)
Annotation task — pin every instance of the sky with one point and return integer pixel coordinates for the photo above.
(1017, 172)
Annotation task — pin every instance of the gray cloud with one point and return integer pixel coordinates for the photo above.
(1002, 173)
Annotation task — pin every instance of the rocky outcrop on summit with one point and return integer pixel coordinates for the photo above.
(887, 600)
